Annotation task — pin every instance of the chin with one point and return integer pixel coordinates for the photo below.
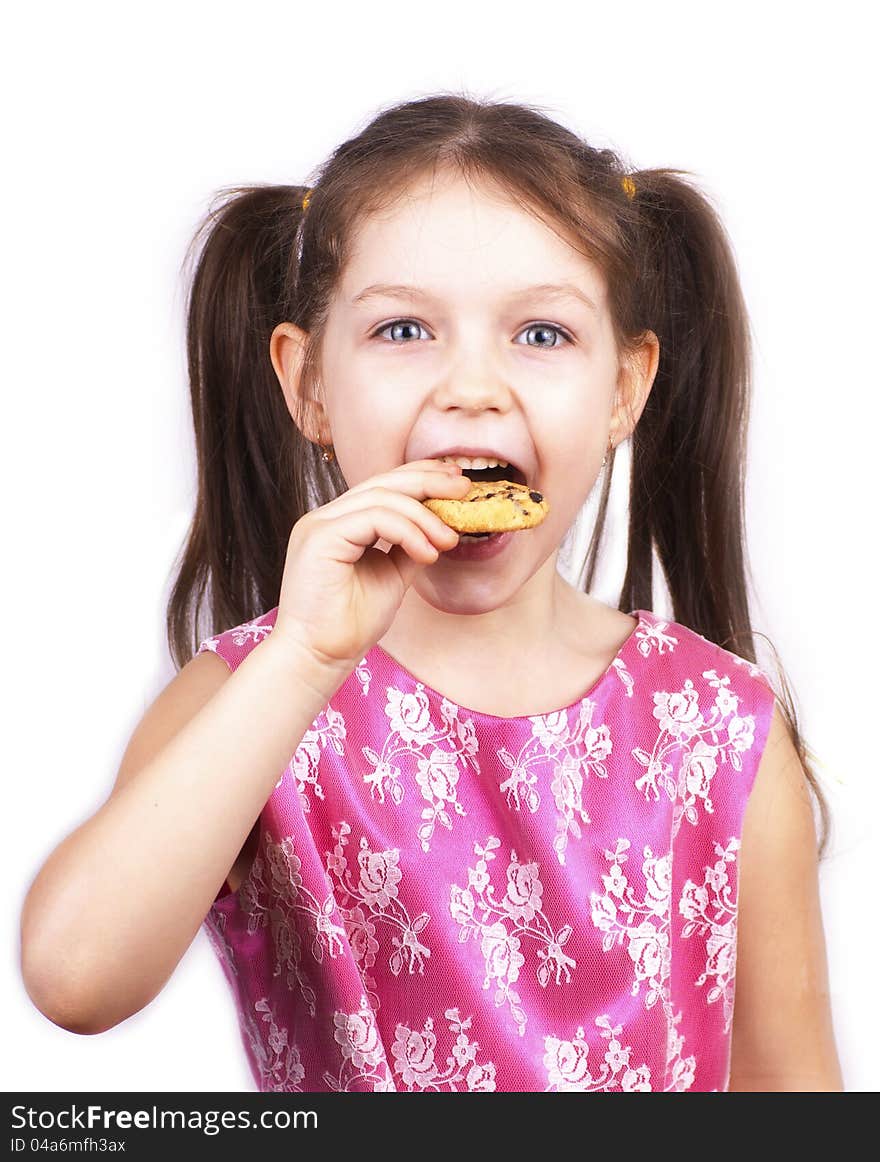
(451, 596)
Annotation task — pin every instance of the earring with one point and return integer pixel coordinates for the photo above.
(608, 453)
(328, 454)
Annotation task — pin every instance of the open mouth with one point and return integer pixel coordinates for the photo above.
(511, 472)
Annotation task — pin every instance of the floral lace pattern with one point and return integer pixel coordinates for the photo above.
(575, 754)
(375, 896)
(412, 731)
(416, 1063)
(292, 911)
(497, 925)
(280, 1065)
(568, 1068)
(645, 926)
(708, 742)
(444, 900)
(719, 929)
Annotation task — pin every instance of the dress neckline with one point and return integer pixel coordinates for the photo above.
(626, 646)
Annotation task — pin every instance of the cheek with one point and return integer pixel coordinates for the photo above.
(370, 435)
(570, 448)
(568, 477)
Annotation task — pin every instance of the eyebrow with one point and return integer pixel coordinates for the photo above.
(549, 290)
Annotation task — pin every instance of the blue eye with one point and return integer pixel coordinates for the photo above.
(394, 323)
(531, 327)
(547, 327)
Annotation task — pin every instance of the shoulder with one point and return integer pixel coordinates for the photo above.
(779, 819)
(170, 711)
(690, 653)
(682, 637)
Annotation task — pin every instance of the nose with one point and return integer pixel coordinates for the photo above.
(473, 382)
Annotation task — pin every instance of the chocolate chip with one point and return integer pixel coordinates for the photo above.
(536, 497)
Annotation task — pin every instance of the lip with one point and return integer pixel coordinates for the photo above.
(474, 551)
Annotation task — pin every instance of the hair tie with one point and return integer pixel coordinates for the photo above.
(306, 199)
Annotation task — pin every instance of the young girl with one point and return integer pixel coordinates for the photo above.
(472, 829)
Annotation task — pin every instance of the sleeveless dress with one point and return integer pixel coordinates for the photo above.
(448, 900)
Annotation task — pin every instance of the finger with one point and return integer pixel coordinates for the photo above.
(406, 474)
(405, 565)
(435, 529)
(359, 530)
(418, 486)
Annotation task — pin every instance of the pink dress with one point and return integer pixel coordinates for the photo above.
(449, 900)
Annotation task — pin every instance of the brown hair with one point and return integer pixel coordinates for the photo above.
(668, 266)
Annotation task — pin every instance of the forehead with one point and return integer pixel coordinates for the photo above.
(450, 233)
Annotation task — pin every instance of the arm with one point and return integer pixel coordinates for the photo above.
(118, 902)
(782, 1037)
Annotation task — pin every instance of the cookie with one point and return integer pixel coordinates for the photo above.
(491, 506)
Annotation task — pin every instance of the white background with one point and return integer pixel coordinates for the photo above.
(118, 130)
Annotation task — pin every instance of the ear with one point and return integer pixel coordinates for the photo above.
(634, 383)
(287, 346)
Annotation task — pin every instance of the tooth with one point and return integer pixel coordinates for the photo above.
(476, 462)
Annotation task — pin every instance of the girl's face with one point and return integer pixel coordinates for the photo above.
(474, 354)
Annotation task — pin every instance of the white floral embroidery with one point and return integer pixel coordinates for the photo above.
(249, 634)
(281, 1069)
(752, 668)
(412, 731)
(619, 667)
(363, 1055)
(328, 729)
(364, 908)
(375, 894)
(567, 786)
(500, 947)
(277, 903)
(683, 1069)
(641, 633)
(415, 1061)
(654, 638)
(215, 926)
(645, 925)
(568, 1069)
(364, 675)
(705, 743)
(719, 929)
(583, 750)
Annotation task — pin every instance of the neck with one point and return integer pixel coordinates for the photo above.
(527, 627)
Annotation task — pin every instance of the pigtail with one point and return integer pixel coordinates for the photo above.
(687, 486)
(688, 449)
(245, 438)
